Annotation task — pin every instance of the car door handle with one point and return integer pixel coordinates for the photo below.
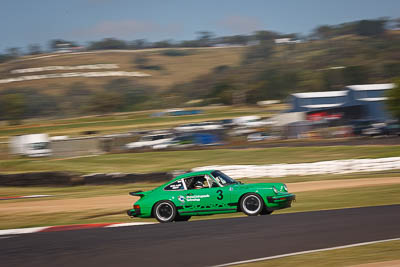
(189, 194)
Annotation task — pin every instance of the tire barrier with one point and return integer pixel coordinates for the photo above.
(73, 179)
(39, 179)
(303, 169)
(125, 178)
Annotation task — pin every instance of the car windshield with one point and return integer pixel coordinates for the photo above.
(223, 179)
(41, 145)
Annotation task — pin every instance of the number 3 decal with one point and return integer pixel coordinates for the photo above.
(220, 196)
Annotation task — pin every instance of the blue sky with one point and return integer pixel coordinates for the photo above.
(25, 22)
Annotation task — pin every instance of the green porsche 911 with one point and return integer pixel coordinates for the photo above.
(209, 192)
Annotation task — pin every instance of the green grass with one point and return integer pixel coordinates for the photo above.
(185, 160)
(306, 201)
(84, 191)
(379, 252)
(345, 198)
(74, 191)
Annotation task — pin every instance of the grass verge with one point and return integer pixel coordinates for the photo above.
(380, 252)
(70, 192)
(184, 160)
(306, 201)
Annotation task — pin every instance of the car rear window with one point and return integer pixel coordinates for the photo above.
(177, 185)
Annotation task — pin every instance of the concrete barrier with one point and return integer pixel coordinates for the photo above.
(302, 169)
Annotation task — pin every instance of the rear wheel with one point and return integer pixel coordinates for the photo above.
(165, 211)
(251, 204)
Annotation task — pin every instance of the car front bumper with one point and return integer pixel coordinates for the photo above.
(281, 198)
(280, 201)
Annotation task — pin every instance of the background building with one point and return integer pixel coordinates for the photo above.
(352, 103)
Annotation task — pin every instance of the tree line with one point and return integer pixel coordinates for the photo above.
(359, 52)
(118, 95)
(206, 38)
(330, 58)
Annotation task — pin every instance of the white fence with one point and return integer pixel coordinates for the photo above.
(302, 169)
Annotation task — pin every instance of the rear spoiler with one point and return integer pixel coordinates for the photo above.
(136, 193)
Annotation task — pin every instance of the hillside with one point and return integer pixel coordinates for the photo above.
(163, 66)
(99, 82)
(273, 71)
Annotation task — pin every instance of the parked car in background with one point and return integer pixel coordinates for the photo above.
(183, 141)
(392, 128)
(189, 140)
(359, 125)
(260, 136)
(31, 145)
(227, 122)
(375, 129)
(201, 126)
(239, 131)
(151, 140)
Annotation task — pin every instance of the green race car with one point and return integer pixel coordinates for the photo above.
(209, 192)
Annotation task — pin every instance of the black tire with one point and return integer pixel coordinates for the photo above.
(251, 204)
(265, 211)
(182, 218)
(164, 211)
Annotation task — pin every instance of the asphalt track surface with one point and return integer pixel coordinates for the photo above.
(202, 243)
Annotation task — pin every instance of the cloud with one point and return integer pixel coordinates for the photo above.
(240, 24)
(129, 29)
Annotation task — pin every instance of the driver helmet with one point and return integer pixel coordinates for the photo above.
(198, 185)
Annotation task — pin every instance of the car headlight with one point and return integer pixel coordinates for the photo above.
(275, 190)
(285, 187)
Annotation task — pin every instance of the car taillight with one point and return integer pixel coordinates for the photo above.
(136, 207)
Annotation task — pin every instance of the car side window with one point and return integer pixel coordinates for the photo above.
(214, 184)
(196, 182)
(211, 182)
(177, 185)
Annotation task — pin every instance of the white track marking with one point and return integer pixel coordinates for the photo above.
(39, 229)
(306, 252)
(129, 224)
(34, 196)
(22, 230)
(22, 197)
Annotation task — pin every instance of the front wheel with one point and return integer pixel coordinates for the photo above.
(182, 218)
(265, 211)
(251, 204)
(165, 211)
